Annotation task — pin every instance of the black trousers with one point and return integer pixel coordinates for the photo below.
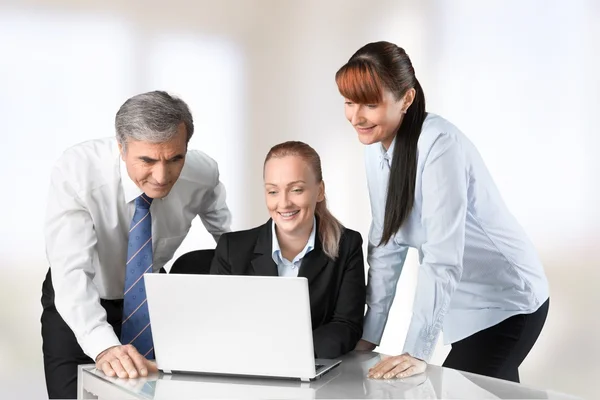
(62, 353)
(498, 351)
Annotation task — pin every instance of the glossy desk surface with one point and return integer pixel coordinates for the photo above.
(347, 381)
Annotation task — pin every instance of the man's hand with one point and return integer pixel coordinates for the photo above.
(124, 362)
(363, 345)
(401, 366)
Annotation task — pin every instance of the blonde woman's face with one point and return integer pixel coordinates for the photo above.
(291, 194)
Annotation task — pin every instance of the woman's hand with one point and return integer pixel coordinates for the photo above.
(363, 345)
(401, 366)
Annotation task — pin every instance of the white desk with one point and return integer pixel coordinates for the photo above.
(347, 381)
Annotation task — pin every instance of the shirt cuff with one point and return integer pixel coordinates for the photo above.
(100, 339)
(373, 326)
(421, 343)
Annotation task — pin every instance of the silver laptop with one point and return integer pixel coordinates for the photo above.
(233, 325)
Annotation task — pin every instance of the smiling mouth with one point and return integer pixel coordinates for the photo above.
(289, 214)
(363, 128)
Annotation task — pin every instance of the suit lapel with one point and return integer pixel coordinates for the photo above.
(263, 264)
(314, 262)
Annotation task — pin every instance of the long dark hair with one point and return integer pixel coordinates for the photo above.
(373, 68)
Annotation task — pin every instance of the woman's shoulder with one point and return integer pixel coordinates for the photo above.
(435, 126)
(440, 131)
(350, 237)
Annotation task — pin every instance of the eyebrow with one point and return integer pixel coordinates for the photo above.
(150, 159)
(289, 184)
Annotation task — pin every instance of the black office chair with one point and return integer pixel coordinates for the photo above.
(194, 262)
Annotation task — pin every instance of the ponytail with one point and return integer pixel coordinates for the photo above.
(330, 230)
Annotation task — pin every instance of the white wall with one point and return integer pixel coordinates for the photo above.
(518, 77)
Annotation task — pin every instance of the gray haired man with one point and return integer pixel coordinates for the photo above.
(118, 209)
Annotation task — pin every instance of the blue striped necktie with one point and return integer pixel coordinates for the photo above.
(135, 328)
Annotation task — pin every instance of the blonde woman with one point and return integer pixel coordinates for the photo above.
(303, 239)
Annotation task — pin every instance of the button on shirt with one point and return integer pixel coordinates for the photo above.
(90, 206)
(286, 267)
(478, 267)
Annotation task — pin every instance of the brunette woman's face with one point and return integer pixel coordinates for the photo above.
(378, 122)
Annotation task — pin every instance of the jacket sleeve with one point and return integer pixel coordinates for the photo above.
(220, 263)
(345, 329)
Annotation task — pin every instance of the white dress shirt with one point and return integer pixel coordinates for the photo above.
(478, 267)
(286, 267)
(90, 206)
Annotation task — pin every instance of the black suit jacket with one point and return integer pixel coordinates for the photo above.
(336, 288)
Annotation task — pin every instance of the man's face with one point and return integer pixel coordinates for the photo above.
(155, 167)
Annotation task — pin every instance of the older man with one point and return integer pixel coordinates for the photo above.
(116, 210)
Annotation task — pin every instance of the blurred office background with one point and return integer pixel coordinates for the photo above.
(519, 77)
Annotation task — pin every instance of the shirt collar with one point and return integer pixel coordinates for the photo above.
(310, 245)
(386, 156)
(130, 189)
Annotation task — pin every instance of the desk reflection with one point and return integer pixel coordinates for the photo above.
(348, 380)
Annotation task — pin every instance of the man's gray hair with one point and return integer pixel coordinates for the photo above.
(152, 117)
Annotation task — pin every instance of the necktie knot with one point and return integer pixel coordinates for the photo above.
(143, 201)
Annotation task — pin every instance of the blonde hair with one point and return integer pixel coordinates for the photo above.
(329, 228)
